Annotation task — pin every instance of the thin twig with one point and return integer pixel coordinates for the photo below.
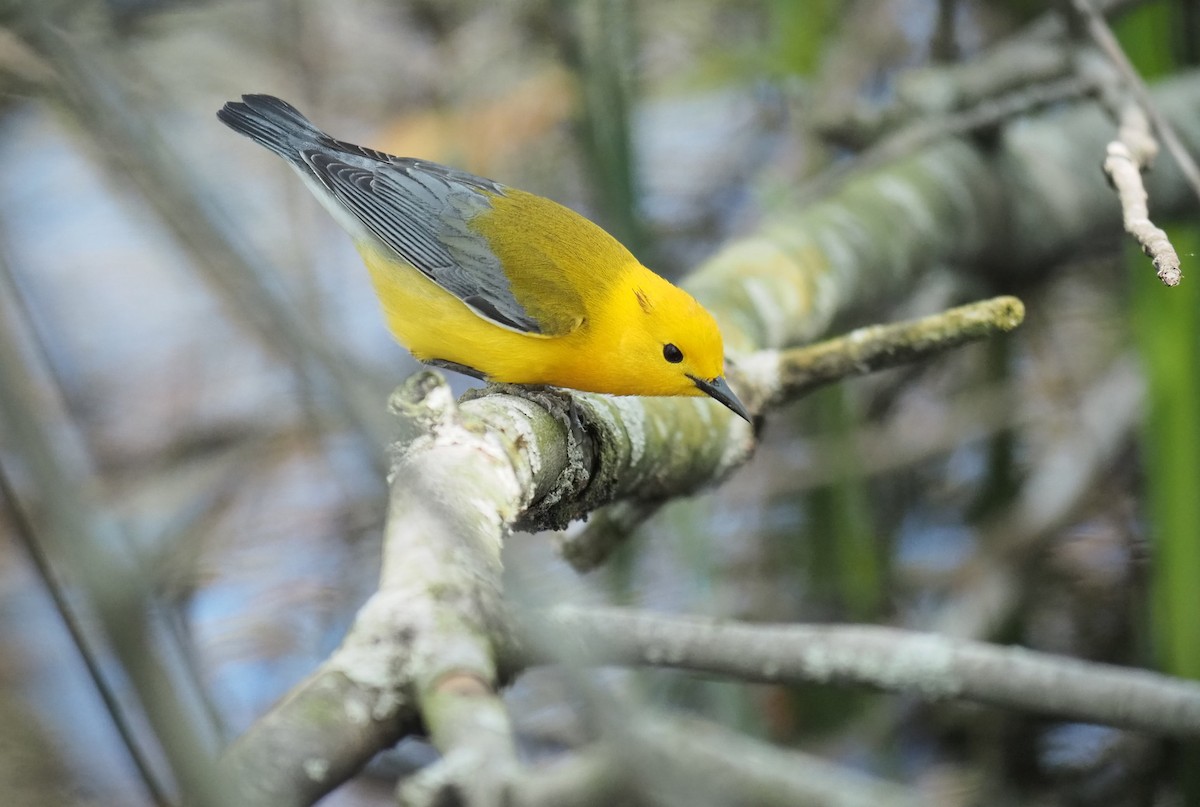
(794, 373)
(1103, 36)
(585, 547)
(27, 536)
(1125, 159)
(93, 91)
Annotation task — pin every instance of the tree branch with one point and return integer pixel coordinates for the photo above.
(785, 376)
(923, 664)
(421, 647)
(1103, 36)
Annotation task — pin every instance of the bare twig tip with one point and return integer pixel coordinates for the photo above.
(1010, 312)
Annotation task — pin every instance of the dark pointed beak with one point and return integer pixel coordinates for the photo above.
(719, 390)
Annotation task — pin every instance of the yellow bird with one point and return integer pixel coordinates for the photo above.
(495, 282)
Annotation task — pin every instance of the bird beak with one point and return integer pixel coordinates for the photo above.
(719, 390)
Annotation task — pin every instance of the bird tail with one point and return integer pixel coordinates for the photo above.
(271, 122)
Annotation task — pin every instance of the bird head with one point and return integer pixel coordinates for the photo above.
(671, 345)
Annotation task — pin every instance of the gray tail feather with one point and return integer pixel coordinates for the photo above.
(271, 122)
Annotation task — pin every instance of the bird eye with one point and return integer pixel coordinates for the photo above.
(672, 353)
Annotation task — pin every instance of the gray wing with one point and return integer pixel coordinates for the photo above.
(420, 210)
(417, 209)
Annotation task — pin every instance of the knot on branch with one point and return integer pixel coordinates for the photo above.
(581, 482)
(422, 404)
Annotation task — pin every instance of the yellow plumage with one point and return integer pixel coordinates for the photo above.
(495, 281)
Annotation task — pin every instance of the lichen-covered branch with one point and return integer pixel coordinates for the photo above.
(595, 449)
(1016, 206)
(422, 645)
(317, 737)
(783, 376)
(923, 664)
(470, 726)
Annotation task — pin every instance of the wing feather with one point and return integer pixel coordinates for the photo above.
(422, 215)
(419, 210)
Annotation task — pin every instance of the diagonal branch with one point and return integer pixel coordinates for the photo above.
(78, 535)
(788, 375)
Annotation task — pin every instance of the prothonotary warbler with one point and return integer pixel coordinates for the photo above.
(496, 282)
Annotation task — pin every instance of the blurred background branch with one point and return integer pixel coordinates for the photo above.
(85, 544)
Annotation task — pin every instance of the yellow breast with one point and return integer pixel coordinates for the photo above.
(434, 324)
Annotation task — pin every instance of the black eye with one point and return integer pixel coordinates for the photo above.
(672, 353)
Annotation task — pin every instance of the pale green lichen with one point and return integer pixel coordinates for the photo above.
(316, 769)
(357, 713)
(925, 665)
